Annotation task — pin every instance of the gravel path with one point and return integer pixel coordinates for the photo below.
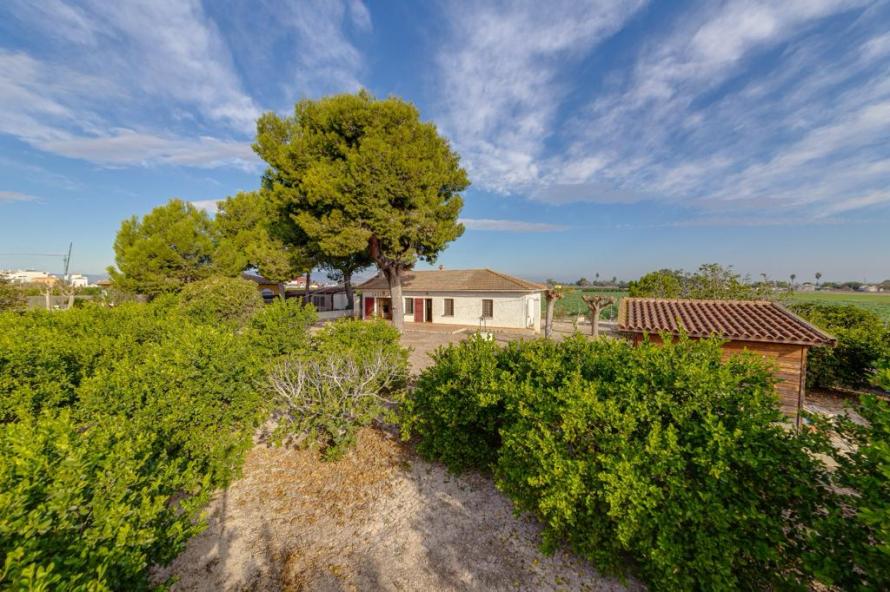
(379, 519)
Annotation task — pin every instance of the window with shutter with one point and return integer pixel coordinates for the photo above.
(449, 307)
(488, 308)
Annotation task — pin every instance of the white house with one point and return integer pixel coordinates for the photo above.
(76, 280)
(475, 297)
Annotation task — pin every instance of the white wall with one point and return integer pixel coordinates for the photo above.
(515, 310)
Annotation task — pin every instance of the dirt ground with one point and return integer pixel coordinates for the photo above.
(379, 519)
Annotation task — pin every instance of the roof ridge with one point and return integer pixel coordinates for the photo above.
(518, 281)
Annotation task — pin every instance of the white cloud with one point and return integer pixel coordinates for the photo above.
(736, 107)
(154, 81)
(211, 206)
(130, 148)
(510, 225)
(15, 196)
(501, 83)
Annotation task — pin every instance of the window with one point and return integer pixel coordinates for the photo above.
(488, 308)
(409, 306)
(318, 302)
(449, 307)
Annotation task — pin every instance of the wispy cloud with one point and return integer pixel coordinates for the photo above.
(510, 225)
(737, 105)
(155, 81)
(503, 80)
(211, 206)
(15, 196)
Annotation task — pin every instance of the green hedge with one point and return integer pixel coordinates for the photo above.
(115, 426)
(663, 459)
(863, 344)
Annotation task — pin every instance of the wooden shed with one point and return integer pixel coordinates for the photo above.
(758, 326)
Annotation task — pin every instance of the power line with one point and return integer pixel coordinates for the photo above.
(32, 254)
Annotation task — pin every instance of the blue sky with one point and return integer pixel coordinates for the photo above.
(610, 137)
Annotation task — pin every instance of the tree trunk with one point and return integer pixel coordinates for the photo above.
(306, 289)
(596, 304)
(548, 324)
(350, 297)
(395, 292)
(48, 295)
(595, 321)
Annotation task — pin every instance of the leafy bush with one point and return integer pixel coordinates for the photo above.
(45, 356)
(863, 340)
(852, 546)
(11, 296)
(282, 327)
(353, 375)
(663, 455)
(87, 508)
(456, 408)
(220, 300)
(117, 424)
(711, 281)
(197, 390)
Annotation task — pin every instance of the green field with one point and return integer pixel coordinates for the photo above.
(878, 303)
(571, 304)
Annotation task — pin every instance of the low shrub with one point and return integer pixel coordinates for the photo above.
(220, 300)
(851, 549)
(282, 327)
(87, 508)
(115, 426)
(353, 375)
(456, 408)
(198, 390)
(664, 457)
(863, 340)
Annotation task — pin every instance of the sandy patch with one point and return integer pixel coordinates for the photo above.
(379, 519)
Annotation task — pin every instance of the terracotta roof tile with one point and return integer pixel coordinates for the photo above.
(455, 280)
(741, 320)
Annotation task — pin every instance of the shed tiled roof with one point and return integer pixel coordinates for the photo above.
(455, 280)
(741, 320)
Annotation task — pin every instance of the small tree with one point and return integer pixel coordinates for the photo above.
(552, 294)
(169, 247)
(355, 174)
(342, 269)
(246, 241)
(11, 296)
(596, 304)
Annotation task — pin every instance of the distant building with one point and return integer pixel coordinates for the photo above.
(77, 280)
(869, 288)
(31, 276)
(807, 287)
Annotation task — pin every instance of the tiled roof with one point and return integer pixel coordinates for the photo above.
(455, 280)
(741, 320)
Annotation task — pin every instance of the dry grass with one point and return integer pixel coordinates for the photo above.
(379, 519)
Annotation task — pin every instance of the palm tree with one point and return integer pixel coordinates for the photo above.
(792, 280)
(818, 277)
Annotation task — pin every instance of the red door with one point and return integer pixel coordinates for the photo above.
(418, 310)
(369, 306)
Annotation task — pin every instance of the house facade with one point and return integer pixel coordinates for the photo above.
(469, 297)
(761, 327)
